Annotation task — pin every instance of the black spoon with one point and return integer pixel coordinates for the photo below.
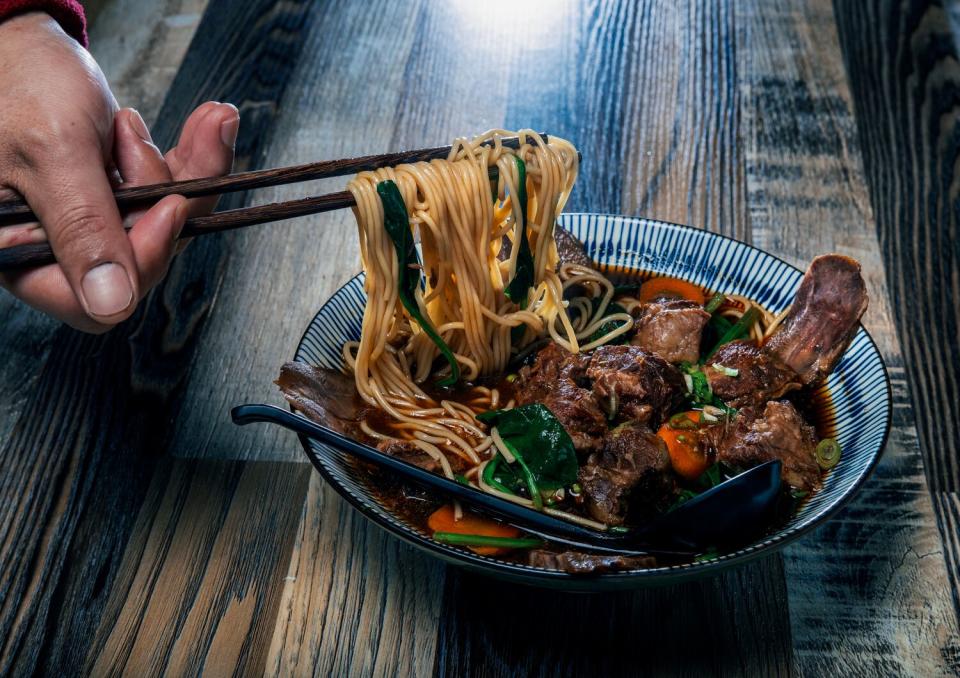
(730, 512)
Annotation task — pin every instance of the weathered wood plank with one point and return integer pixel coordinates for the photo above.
(78, 461)
(719, 626)
(682, 118)
(355, 601)
(869, 590)
(201, 591)
(906, 91)
(140, 46)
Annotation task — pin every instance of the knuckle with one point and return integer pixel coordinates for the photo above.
(35, 143)
(81, 229)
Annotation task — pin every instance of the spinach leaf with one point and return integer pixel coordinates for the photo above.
(541, 444)
(397, 225)
(518, 288)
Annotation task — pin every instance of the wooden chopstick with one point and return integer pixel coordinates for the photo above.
(39, 254)
(18, 212)
(32, 255)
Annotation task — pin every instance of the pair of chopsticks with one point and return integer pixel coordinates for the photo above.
(38, 254)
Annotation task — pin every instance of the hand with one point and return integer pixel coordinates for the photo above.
(64, 146)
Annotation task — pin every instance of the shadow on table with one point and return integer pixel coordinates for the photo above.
(734, 623)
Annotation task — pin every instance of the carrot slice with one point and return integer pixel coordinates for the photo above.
(442, 520)
(683, 444)
(671, 288)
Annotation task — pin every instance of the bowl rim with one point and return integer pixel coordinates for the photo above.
(525, 574)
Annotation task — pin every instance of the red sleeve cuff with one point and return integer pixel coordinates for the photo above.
(67, 13)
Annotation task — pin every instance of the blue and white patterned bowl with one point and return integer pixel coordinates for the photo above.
(859, 389)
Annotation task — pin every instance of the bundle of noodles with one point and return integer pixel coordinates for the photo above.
(464, 303)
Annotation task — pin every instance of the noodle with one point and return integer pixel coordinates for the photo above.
(461, 233)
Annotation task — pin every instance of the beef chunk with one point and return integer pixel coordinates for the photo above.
(577, 410)
(552, 364)
(569, 249)
(553, 380)
(778, 432)
(760, 375)
(631, 474)
(823, 319)
(634, 384)
(671, 329)
(326, 396)
(574, 562)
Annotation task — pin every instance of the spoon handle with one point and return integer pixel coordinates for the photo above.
(542, 525)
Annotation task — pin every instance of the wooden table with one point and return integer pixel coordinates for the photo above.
(140, 532)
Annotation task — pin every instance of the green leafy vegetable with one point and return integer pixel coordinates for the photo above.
(712, 477)
(462, 479)
(683, 496)
(699, 392)
(710, 554)
(738, 330)
(397, 225)
(517, 289)
(491, 477)
(485, 540)
(541, 445)
(715, 329)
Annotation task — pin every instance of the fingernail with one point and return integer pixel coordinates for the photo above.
(229, 127)
(107, 290)
(139, 126)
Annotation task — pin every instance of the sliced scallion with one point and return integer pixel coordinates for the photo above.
(729, 371)
(485, 540)
(715, 302)
(827, 453)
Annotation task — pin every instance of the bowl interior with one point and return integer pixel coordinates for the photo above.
(858, 413)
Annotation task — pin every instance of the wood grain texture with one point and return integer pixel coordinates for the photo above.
(723, 628)
(681, 116)
(355, 601)
(198, 589)
(869, 591)
(78, 461)
(907, 94)
(140, 47)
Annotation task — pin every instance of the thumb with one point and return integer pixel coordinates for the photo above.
(71, 195)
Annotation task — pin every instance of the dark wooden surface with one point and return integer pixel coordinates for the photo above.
(141, 533)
